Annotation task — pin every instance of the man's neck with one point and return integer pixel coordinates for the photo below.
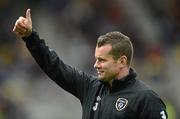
(122, 73)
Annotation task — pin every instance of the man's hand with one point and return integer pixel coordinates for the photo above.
(23, 26)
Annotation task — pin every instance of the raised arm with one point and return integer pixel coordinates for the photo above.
(70, 79)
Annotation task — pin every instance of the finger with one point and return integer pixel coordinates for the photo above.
(28, 15)
(21, 24)
(14, 29)
(21, 18)
(15, 25)
(17, 22)
(21, 21)
(20, 29)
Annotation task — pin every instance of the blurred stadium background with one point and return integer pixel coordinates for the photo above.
(71, 27)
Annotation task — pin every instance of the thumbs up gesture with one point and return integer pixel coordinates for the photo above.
(23, 25)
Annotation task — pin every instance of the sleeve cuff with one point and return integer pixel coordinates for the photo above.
(32, 39)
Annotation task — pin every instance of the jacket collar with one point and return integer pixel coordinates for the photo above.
(124, 82)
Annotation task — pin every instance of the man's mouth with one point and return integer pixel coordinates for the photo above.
(100, 72)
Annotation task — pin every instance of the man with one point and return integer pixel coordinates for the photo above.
(114, 94)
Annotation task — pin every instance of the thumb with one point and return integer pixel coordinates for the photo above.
(28, 15)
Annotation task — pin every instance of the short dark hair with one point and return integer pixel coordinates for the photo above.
(121, 45)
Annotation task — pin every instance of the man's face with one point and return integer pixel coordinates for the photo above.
(107, 68)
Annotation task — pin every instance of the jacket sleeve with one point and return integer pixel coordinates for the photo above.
(152, 107)
(70, 79)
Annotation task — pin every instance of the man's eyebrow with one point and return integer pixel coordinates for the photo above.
(100, 58)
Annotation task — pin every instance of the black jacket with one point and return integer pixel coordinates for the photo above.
(126, 99)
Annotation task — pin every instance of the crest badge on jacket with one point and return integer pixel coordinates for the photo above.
(121, 104)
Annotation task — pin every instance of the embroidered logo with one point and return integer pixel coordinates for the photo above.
(121, 103)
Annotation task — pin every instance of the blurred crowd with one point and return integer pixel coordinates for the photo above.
(71, 28)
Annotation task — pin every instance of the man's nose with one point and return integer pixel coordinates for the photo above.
(96, 65)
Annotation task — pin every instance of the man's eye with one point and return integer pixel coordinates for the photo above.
(101, 60)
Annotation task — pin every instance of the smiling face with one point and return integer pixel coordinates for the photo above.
(107, 68)
(113, 55)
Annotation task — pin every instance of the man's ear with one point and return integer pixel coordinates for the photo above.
(122, 60)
